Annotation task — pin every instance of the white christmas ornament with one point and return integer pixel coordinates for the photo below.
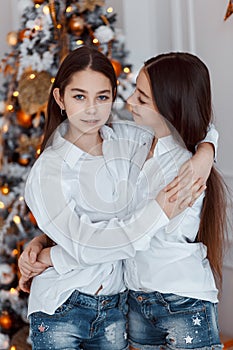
(6, 274)
(104, 34)
(4, 341)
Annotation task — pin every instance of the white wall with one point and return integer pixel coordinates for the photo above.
(197, 26)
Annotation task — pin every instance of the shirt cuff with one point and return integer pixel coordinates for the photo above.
(60, 264)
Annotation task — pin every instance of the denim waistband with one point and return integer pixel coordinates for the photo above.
(98, 302)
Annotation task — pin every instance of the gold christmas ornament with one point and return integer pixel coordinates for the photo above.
(26, 144)
(33, 90)
(12, 38)
(76, 25)
(229, 10)
(117, 67)
(90, 5)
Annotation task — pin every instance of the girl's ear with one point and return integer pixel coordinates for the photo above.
(57, 97)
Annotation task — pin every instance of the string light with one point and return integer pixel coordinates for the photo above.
(126, 70)
(95, 41)
(16, 93)
(37, 6)
(14, 252)
(110, 9)
(46, 10)
(5, 189)
(79, 42)
(17, 219)
(2, 205)
(69, 9)
(32, 76)
(10, 108)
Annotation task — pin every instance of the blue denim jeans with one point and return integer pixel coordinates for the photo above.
(82, 322)
(168, 321)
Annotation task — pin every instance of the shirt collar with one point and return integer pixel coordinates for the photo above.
(166, 144)
(70, 152)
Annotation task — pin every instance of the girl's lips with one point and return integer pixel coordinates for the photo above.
(93, 121)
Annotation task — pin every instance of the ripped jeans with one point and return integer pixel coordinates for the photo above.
(82, 322)
(168, 321)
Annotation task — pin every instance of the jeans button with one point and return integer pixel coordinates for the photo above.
(140, 298)
(104, 302)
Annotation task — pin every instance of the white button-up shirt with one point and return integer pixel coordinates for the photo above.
(70, 192)
(174, 262)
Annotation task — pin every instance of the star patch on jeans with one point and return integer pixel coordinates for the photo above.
(43, 328)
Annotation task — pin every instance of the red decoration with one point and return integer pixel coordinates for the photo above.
(24, 119)
(39, 2)
(229, 10)
(117, 67)
(5, 320)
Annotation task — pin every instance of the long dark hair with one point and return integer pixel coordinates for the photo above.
(181, 88)
(78, 60)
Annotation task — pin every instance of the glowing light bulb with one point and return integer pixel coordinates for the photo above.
(126, 70)
(32, 76)
(16, 93)
(69, 9)
(10, 108)
(46, 10)
(110, 9)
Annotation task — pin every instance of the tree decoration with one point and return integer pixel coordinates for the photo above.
(48, 31)
(76, 25)
(117, 67)
(33, 90)
(89, 5)
(229, 10)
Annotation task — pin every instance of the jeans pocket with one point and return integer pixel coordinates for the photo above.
(180, 304)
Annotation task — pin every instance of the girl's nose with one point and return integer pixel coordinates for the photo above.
(91, 109)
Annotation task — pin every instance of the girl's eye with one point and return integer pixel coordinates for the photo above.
(103, 98)
(140, 100)
(79, 97)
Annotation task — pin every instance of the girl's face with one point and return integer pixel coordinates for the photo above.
(87, 101)
(143, 108)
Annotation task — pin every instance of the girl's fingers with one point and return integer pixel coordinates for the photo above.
(197, 194)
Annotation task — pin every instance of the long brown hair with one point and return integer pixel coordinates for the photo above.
(181, 88)
(78, 60)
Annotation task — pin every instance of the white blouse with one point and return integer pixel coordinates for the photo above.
(69, 192)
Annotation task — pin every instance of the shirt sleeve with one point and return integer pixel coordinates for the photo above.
(212, 137)
(86, 242)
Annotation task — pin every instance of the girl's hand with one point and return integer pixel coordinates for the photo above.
(192, 177)
(28, 263)
(183, 198)
(25, 284)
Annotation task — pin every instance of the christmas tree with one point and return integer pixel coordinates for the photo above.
(49, 30)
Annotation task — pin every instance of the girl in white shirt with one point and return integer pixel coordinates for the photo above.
(173, 295)
(54, 174)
